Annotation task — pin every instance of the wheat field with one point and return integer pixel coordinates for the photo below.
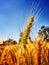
(34, 53)
(26, 51)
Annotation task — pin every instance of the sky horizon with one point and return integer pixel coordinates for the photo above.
(14, 15)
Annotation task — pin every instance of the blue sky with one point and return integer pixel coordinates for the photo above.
(15, 13)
